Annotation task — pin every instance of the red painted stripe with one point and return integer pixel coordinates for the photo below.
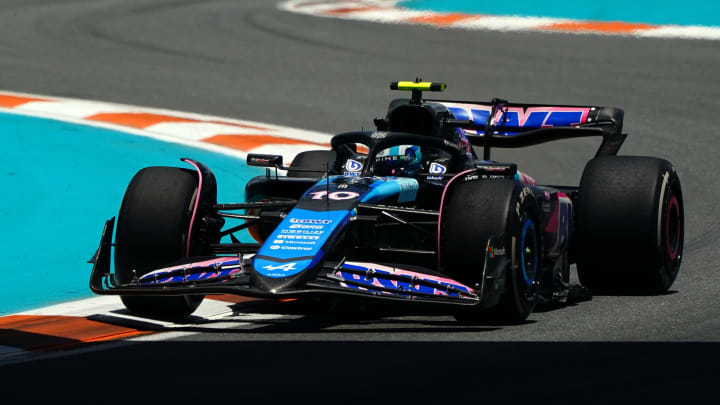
(9, 101)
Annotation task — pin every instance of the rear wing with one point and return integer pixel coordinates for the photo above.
(509, 125)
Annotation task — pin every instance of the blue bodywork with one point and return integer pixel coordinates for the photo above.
(300, 241)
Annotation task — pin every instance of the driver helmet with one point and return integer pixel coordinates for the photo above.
(399, 161)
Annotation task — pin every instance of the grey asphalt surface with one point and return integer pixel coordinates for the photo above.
(246, 59)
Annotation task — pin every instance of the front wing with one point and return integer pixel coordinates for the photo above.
(233, 275)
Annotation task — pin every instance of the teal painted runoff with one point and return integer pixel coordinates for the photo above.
(59, 183)
(690, 12)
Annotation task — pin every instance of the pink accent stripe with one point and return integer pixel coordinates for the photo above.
(442, 201)
(526, 179)
(553, 223)
(206, 263)
(404, 272)
(197, 203)
(523, 114)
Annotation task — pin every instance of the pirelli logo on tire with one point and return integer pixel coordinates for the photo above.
(526, 191)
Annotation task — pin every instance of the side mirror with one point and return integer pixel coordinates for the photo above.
(254, 159)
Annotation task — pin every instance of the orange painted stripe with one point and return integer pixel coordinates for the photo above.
(144, 120)
(9, 101)
(247, 142)
(137, 120)
(36, 332)
(440, 19)
(598, 26)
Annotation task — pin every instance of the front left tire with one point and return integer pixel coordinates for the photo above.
(152, 231)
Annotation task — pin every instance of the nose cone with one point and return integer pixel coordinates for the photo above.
(296, 246)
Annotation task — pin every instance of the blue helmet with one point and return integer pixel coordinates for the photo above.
(399, 161)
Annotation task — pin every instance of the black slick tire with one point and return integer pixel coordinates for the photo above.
(476, 211)
(630, 225)
(152, 230)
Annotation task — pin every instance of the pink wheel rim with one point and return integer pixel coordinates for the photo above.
(672, 208)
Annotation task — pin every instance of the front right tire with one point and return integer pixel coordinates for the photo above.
(476, 211)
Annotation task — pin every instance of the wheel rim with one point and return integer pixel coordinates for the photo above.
(673, 228)
(528, 252)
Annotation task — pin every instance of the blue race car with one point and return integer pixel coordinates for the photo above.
(408, 214)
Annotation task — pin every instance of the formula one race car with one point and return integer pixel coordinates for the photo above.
(407, 213)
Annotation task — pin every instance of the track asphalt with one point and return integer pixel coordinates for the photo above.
(246, 59)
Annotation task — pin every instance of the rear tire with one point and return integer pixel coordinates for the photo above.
(152, 230)
(478, 210)
(313, 159)
(630, 225)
